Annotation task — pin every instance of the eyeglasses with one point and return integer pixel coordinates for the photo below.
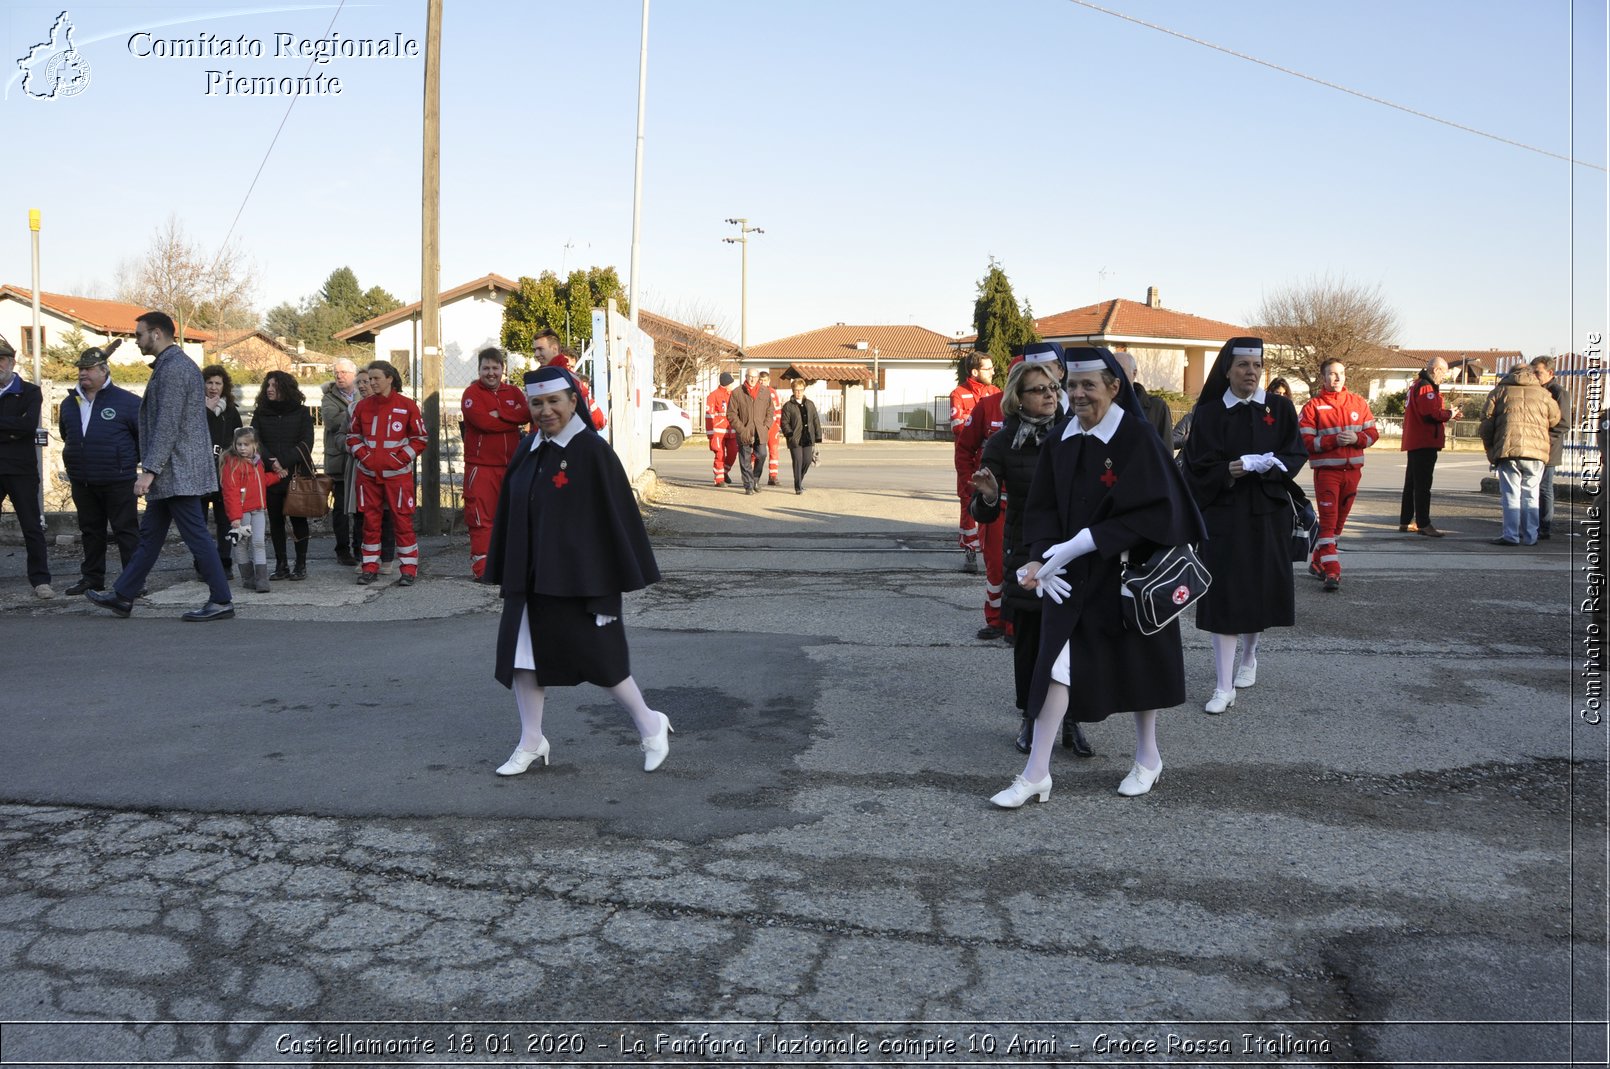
(1042, 391)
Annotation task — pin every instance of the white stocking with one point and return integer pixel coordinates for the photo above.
(529, 699)
(1249, 651)
(631, 700)
(1146, 752)
(1224, 662)
(1046, 728)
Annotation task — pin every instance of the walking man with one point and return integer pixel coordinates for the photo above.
(100, 433)
(718, 431)
(1337, 427)
(1425, 419)
(774, 429)
(177, 471)
(19, 464)
(749, 414)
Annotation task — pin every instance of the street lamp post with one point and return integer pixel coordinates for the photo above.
(744, 230)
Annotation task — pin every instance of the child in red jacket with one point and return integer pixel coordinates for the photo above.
(243, 484)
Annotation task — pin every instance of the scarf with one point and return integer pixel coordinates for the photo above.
(1032, 427)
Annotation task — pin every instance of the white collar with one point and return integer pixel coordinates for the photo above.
(562, 439)
(1103, 430)
(1231, 400)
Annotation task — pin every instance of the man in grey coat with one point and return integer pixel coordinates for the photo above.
(177, 471)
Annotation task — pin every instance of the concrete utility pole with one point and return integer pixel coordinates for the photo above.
(430, 489)
(38, 336)
(637, 174)
(744, 230)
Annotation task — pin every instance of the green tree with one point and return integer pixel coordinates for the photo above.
(340, 303)
(1001, 325)
(565, 307)
(342, 292)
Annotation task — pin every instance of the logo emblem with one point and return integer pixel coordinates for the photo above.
(108, 413)
(54, 68)
(1182, 594)
(396, 425)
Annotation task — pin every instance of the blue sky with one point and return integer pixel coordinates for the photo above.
(888, 148)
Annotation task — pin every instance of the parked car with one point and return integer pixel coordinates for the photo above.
(669, 426)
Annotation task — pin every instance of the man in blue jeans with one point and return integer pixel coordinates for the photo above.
(177, 471)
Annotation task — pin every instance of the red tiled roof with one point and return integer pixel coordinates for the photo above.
(106, 317)
(407, 311)
(829, 372)
(1133, 319)
(838, 342)
(1489, 357)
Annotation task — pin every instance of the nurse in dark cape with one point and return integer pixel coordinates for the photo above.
(1243, 453)
(567, 542)
(1106, 485)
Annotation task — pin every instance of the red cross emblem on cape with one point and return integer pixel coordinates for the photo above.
(560, 480)
(1269, 417)
(1109, 477)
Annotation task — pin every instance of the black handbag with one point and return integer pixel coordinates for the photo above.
(1305, 524)
(1168, 583)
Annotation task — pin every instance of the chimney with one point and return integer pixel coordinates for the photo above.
(301, 347)
(1152, 299)
(861, 343)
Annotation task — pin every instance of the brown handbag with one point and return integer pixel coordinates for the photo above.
(308, 495)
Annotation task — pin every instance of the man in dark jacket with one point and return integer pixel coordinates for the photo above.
(749, 415)
(19, 464)
(100, 433)
(1544, 367)
(177, 470)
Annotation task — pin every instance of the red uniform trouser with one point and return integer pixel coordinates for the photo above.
(724, 454)
(771, 455)
(482, 482)
(376, 495)
(969, 526)
(994, 574)
(1334, 491)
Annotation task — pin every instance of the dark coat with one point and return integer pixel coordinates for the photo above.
(1158, 413)
(1558, 430)
(567, 526)
(1014, 473)
(284, 430)
(19, 419)
(222, 427)
(108, 451)
(1142, 506)
(750, 417)
(801, 426)
(1249, 520)
(174, 442)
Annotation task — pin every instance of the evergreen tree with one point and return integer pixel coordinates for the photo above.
(1001, 325)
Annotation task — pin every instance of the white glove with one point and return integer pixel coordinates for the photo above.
(600, 620)
(1053, 586)
(1059, 556)
(1258, 463)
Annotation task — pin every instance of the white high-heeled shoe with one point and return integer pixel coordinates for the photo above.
(1021, 791)
(657, 747)
(1140, 779)
(1221, 700)
(520, 760)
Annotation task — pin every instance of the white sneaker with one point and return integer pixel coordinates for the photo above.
(1247, 675)
(43, 592)
(1221, 700)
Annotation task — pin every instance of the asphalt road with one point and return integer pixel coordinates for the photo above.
(1391, 850)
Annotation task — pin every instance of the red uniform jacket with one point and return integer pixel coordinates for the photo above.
(593, 411)
(985, 419)
(962, 400)
(492, 422)
(1424, 417)
(715, 411)
(386, 435)
(244, 486)
(1325, 416)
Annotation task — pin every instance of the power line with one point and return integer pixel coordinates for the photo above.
(1332, 85)
(224, 245)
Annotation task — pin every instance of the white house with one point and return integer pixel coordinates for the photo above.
(471, 320)
(883, 377)
(99, 321)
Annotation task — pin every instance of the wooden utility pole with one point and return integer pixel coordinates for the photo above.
(430, 326)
